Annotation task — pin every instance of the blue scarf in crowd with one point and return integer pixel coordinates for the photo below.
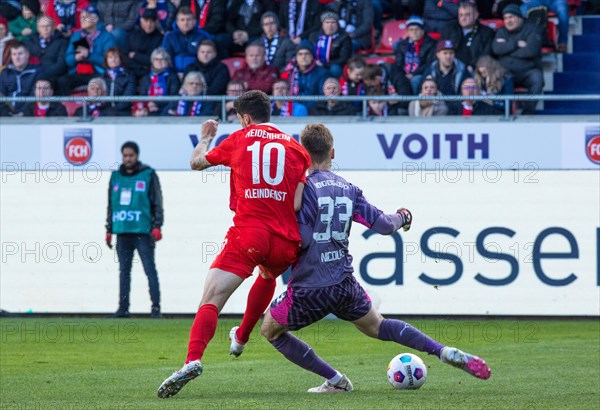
(183, 108)
(323, 47)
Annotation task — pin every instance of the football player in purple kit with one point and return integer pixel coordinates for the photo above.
(322, 282)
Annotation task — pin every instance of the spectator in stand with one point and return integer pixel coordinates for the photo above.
(517, 45)
(243, 22)
(446, 70)
(492, 79)
(279, 48)
(304, 76)
(469, 88)
(119, 81)
(332, 88)
(215, 73)
(356, 18)
(212, 18)
(142, 42)
(413, 54)
(48, 48)
(235, 88)
(18, 78)
(5, 37)
(351, 83)
(428, 108)
(286, 108)
(97, 88)
(472, 39)
(85, 54)
(377, 77)
(333, 47)
(24, 26)
(165, 13)
(44, 88)
(119, 18)
(379, 108)
(438, 13)
(193, 85)
(257, 75)
(561, 8)
(182, 43)
(161, 80)
(66, 15)
(300, 18)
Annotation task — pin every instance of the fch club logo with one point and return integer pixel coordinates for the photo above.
(592, 144)
(78, 145)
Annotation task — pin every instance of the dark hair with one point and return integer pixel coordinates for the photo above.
(372, 71)
(186, 11)
(17, 44)
(209, 43)
(46, 79)
(468, 5)
(132, 145)
(113, 50)
(272, 15)
(254, 103)
(356, 62)
(318, 141)
(430, 79)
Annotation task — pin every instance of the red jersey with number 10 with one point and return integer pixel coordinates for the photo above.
(266, 167)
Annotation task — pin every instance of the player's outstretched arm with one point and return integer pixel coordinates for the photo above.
(388, 224)
(208, 132)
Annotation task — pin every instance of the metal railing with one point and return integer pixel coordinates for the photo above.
(507, 99)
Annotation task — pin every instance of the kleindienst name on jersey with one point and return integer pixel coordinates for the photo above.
(261, 193)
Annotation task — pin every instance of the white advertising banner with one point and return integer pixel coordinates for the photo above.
(407, 146)
(487, 242)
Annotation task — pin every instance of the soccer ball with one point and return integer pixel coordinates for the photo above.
(406, 371)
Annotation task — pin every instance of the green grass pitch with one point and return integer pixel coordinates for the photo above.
(118, 364)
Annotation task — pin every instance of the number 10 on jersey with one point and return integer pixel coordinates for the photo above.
(266, 162)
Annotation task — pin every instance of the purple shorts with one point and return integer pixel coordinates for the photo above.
(299, 307)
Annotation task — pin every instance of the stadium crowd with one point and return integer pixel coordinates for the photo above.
(296, 47)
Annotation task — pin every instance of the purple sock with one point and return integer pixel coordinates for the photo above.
(298, 352)
(403, 333)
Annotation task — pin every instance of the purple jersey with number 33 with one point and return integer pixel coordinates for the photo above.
(329, 205)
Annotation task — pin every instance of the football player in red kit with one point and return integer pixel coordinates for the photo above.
(268, 169)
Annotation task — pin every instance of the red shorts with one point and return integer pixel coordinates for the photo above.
(246, 248)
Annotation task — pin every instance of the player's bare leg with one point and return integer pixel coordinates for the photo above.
(374, 325)
(219, 286)
(301, 354)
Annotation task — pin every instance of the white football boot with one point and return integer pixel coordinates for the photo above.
(235, 348)
(343, 386)
(175, 382)
(469, 363)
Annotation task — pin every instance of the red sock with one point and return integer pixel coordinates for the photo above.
(259, 298)
(202, 331)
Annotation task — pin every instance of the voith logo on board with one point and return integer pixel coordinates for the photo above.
(78, 145)
(592, 144)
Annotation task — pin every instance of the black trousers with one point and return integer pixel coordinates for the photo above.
(144, 243)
